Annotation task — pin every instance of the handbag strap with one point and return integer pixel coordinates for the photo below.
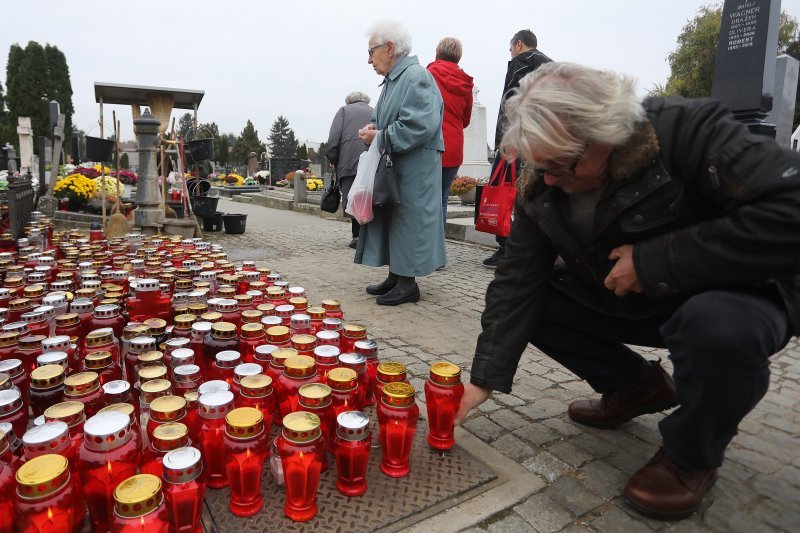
(499, 174)
(386, 143)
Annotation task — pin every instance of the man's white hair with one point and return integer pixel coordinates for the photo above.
(389, 30)
(356, 96)
(560, 107)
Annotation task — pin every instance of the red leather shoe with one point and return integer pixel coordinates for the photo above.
(651, 392)
(663, 490)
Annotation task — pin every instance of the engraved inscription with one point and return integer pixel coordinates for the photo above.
(742, 31)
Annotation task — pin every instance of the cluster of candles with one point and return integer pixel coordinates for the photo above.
(154, 368)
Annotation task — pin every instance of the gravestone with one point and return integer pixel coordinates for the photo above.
(782, 114)
(475, 164)
(252, 164)
(48, 203)
(280, 166)
(25, 133)
(744, 72)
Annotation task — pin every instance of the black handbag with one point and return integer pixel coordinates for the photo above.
(331, 197)
(385, 191)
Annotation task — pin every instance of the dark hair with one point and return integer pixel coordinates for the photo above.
(527, 37)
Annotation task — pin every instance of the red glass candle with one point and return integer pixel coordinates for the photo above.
(37, 322)
(108, 316)
(301, 450)
(108, 457)
(17, 377)
(333, 309)
(192, 418)
(352, 333)
(69, 324)
(179, 356)
(117, 391)
(277, 297)
(222, 338)
(299, 370)
(397, 418)
(300, 323)
(316, 314)
(243, 370)
(139, 506)
(84, 387)
(345, 393)
(103, 364)
(351, 449)
(148, 302)
(224, 365)
(200, 330)
(275, 369)
(256, 391)
(246, 448)
(12, 410)
(84, 308)
(45, 497)
(304, 344)
(389, 372)
(6, 497)
(183, 326)
(279, 336)
(229, 308)
(165, 410)
(12, 453)
(358, 363)
(316, 398)
(184, 489)
(263, 355)
(327, 358)
(29, 348)
(267, 308)
(74, 415)
(252, 335)
(443, 392)
(133, 425)
(212, 408)
(46, 388)
(103, 340)
(328, 338)
(165, 438)
(369, 349)
(186, 378)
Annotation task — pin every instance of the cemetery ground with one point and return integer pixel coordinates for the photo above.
(578, 472)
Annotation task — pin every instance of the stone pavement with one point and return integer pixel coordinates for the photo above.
(584, 469)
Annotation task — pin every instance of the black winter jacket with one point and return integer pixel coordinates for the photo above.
(706, 204)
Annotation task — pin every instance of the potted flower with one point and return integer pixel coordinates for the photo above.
(77, 189)
(464, 188)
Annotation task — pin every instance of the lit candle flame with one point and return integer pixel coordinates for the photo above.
(50, 515)
(141, 519)
(301, 456)
(247, 451)
(109, 468)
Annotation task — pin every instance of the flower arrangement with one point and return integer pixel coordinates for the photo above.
(79, 189)
(99, 167)
(234, 179)
(251, 182)
(126, 176)
(111, 186)
(289, 177)
(314, 184)
(463, 184)
(283, 183)
(89, 172)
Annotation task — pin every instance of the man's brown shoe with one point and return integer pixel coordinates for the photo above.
(651, 392)
(663, 490)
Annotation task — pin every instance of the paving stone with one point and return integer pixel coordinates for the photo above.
(598, 447)
(512, 523)
(512, 447)
(723, 515)
(541, 409)
(602, 479)
(543, 513)
(489, 406)
(568, 493)
(615, 520)
(483, 428)
(536, 434)
(569, 453)
(511, 400)
(565, 428)
(507, 418)
(546, 465)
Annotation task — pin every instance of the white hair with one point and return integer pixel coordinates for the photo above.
(389, 30)
(356, 96)
(560, 107)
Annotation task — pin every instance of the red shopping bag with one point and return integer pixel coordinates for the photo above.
(497, 200)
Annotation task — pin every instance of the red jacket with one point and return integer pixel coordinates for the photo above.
(456, 88)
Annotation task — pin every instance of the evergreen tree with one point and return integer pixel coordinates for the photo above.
(186, 127)
(59, 86)
(282, 142)
(302, 152)
(222, 154)
(123, 161)
(6, 131)
(247, 142)
(27, 91)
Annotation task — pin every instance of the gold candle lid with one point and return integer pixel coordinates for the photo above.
(314, 395)
(278, 334)
(154, 388)
(275, 293)
(355, 331)
(184, 321)
(211, 316)
(301, 427)
(42, 476)
(9, 338)
(157, 326)
(445, 373)
(342, 379)
(391, 371)
(167, 408)
(267, 308)
(244, 423)
(149, 373)
(256, 386)
(100, 337)
(151, 358)
(299, 302)
(316, 313)
(398, 394)
(223, 330)
(299, 366)
(197, 309)
(137, 496)
(67, 319)
(252, 330)
(71, 412)
(280, 355)
(331, 305)
(81, 383)
(243, 299)
(170, 436)
(304, 343)
(47, 376)
(97, 360)
(251, 316)
(19, 303)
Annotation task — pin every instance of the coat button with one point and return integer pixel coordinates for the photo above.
(638, 219)
(662, 288)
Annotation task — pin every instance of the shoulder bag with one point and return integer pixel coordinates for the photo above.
(385, 192)
(332, 196)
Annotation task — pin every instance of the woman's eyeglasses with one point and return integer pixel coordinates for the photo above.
(371, 51)
(563, 170)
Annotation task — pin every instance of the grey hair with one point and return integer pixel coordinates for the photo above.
(356, 96)
(388, 30)
(560, 107)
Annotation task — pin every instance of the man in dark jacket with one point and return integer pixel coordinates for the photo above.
(676, 228)
(525, 58)
(344, 147)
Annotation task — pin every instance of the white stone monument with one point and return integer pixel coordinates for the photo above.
(25, 144)
(787, 69)
(476, 161)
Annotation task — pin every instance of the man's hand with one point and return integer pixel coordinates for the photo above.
(473, 397)
(622, 279)
(367, 133)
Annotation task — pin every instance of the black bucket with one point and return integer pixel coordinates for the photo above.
(204, 186)
(205, 206)
(234, 223)
(98, 149)
(201, 149)
(213, 223)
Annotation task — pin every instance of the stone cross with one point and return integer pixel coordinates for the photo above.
(48, 203)
(25, 133)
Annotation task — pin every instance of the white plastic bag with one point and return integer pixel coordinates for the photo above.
(359, 201)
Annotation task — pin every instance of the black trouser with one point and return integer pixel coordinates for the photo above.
(719, 343)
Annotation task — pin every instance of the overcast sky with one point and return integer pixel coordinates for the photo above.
(259, 59)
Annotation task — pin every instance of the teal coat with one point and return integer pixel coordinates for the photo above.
(409, 237)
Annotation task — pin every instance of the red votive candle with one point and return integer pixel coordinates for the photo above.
(139, 506)
(6, 494)
(184, 489)
(327, 358)
(212, 408)
(246, 448)
(389, 372)
(256, 391)
(316, 398)
(165, 438)
(108, 457)
(333, 309)
(45, 497)
(443, 392)
(369, 349)
(397, 418)
(12, 410)
(351, 333)
(84, 387)
(299, 370)
(304, 343)
(358, 363)
(301, 449)
(345, 394)
(351, 449)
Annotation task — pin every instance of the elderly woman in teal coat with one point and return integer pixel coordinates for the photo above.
(408, 237)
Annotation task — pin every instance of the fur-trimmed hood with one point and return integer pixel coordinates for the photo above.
(627, 160)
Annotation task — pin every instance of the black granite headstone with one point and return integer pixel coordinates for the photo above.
(279, 167)
(744, 73)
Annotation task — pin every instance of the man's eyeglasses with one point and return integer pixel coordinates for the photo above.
(371, 51)
(563, 170)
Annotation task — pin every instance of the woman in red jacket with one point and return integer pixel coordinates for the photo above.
(456, 88)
